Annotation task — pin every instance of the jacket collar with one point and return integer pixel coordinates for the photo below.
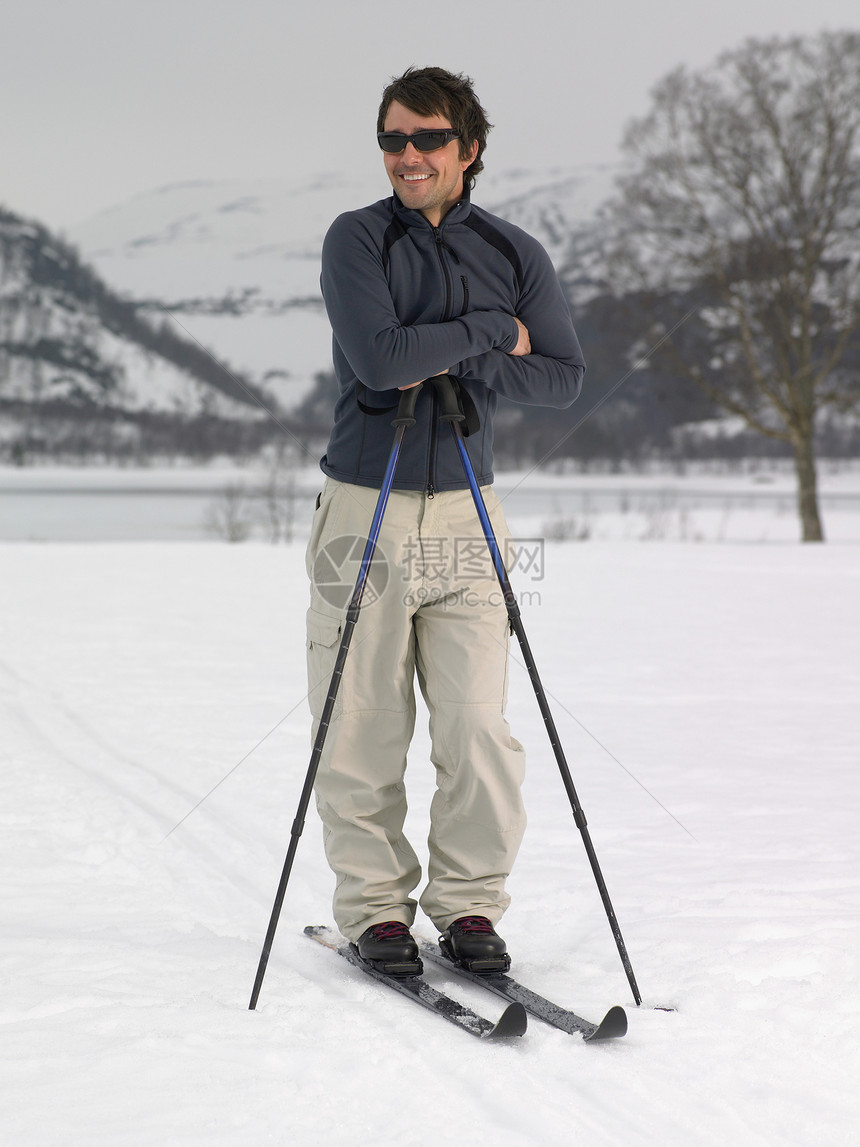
(411, 218)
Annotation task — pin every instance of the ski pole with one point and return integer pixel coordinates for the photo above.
(452, 413)
(403, 420)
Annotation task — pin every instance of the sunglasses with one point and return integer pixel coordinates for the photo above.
(430, 139)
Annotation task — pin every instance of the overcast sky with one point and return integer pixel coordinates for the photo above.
(104, 99)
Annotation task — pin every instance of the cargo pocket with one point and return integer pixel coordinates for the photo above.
(322, 645)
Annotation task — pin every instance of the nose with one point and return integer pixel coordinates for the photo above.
(411, 152)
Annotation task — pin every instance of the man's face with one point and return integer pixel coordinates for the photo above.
(426, 181)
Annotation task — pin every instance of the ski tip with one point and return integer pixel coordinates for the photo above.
(319, 932)
(513, 1021)
(612, 1026)
(322, 934)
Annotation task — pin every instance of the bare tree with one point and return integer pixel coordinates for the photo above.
(279, 494)
(230, 516)
(742, 204)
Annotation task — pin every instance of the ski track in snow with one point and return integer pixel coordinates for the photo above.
(724, 679)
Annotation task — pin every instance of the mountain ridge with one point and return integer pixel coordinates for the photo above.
(237, 261)
(199, 300)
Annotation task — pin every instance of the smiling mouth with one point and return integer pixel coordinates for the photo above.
(415, 178)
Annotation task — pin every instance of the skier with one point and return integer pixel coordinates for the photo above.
(421, 284)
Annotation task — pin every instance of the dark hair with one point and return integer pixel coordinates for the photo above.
(433, 91)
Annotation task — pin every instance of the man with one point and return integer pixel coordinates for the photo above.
(417, 285)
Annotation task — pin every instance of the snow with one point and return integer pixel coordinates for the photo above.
(707, 697)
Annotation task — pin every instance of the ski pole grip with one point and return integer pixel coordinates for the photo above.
(449, 397)
(405, 415)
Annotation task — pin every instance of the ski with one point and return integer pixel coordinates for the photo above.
(612, 1026)
(513, 1021)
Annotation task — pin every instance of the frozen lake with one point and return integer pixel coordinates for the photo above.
(58, 504)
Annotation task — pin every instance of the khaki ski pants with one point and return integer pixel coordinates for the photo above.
(432, 608)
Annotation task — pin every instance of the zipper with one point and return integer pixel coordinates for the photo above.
(446, 275)
(465, 283)
(446, 316)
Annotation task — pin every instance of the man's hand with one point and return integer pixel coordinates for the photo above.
(524, 345)
(411, 384)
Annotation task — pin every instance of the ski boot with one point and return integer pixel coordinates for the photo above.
(472, 943)
(390, 949)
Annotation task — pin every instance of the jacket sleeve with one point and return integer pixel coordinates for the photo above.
(552, 374)
(383, 352)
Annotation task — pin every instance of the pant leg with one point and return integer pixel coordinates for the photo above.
(477, 818)
(359, 787)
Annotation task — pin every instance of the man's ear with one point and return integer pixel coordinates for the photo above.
(471, 156)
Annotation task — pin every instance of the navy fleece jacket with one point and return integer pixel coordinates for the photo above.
(407, 300)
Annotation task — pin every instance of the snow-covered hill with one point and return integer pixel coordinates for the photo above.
(178, 304)
(237, 262)
(66, 337)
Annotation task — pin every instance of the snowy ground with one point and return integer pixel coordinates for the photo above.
(715, 685)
